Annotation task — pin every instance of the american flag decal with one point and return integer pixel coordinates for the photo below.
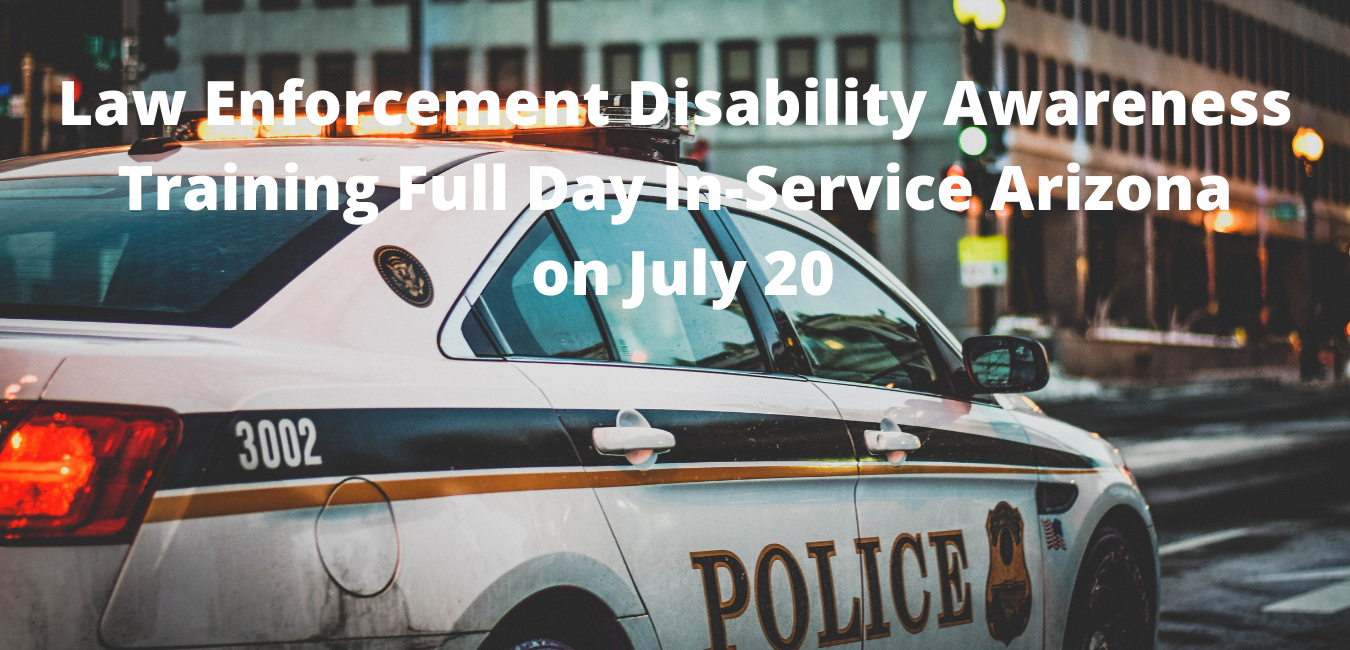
(1054, 535)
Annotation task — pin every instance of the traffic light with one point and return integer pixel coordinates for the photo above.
(158, 24)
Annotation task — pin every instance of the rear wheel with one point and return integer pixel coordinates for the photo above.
(1110, 608)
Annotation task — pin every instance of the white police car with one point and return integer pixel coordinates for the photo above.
(250, 427)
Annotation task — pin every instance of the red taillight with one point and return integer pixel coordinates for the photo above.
(80, 470)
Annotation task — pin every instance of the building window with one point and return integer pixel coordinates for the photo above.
(623, 66)
(1140, 146)
(1121, 22)
(1071, 85)
(1210, 37)
(1103, 14)
(1010, 68)
(1089, 130)
(1183, 16)
(222, 7)
(1167, 25)
(337, 73)
(796, 64)
(1108, 133)
(564, 69)
(1049, 5)
(395, 71)
(389, 2)
(1197, 32)
(680, 60)
(1240, 152)
(1124, 133)
(275, 69)
(1151, 23)
(1137, 20)
(333, 4)
(1185, 158)
(1156, 140)
(1263, 54)
(278, 5)
(224, 68)
(1223, 42)
(739, 66)
(857, 58)
(1212, 162)
(1066, 8)
(1051, 85)
(1171, 134)
(449, 71)
(1033, 83)
(506, 70)
(1085, 12)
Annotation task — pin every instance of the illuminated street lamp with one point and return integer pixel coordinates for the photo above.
(1308, 148)
(985, 14)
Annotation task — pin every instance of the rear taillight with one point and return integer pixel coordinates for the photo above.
(79, 471)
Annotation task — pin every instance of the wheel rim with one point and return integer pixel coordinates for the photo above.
(1117, 606)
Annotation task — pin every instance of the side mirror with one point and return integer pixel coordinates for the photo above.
(1005, 364)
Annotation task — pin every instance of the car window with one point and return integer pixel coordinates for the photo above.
(72, 249)
(531, 323)
(680, 329)
(855, 331)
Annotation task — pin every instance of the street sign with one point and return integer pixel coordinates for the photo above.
(1285, 211)
(984, 261)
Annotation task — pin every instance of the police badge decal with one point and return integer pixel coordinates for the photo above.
(404, 274)
(1007, 595)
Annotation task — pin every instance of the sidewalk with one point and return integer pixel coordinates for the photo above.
(1219, 436)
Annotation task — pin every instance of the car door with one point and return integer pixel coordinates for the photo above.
(946, 494)
(740, 533)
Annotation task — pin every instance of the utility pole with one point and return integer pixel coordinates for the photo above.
(26, 141)
(1308, 149)
(417, 43)
(542, 46)
(131, 63)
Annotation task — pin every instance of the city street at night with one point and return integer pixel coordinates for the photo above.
(675, 324)
(1248, 493)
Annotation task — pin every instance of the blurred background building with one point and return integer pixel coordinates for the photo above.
(1152, 294)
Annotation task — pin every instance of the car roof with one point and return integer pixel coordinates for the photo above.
(339, 158)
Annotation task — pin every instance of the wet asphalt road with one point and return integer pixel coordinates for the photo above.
(1263, 566)
(1276, 545)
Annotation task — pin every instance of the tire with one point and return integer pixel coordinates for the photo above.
(542, 644)
(1111, 607)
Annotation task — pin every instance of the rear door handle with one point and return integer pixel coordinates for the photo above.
(891, 442)
(634, 438)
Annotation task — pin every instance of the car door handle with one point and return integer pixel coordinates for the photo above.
(632, 437)
(891, 442)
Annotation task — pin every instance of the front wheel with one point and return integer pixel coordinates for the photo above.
(1110, 608)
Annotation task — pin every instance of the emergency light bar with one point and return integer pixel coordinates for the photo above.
(618, 137)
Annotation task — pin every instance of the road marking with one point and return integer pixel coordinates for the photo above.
(1332, 573)
(1201, 541)
(1327, 600)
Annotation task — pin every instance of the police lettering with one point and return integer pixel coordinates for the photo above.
(722, 571)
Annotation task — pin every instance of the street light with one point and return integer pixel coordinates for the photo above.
(1308, 148)
(986, 14)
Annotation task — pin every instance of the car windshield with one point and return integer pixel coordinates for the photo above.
(72, 249)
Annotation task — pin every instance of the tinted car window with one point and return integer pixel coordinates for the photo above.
(71, 249)
(855, 331)
(531, 323)
(681, 329)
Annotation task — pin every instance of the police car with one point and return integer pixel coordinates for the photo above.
(233, 427)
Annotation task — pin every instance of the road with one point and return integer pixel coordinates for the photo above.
(1251, 498)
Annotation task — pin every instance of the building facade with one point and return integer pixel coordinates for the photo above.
(1239, 273)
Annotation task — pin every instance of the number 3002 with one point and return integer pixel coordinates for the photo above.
(277, 443)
